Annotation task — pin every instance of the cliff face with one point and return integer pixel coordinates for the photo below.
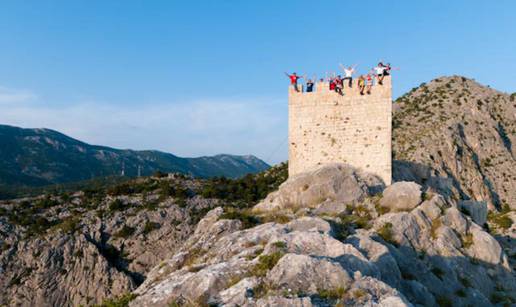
(459, 137)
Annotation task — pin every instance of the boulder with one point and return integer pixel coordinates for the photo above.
(454, 219)
(308, 274)
(476, 209)
(307, 223)
(333, 182)
(485, 248)
(401, 196)
(238, 294)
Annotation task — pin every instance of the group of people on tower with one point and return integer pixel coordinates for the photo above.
(336, 82)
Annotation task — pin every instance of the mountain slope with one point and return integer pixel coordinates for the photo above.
(458, 136)
(37, 157)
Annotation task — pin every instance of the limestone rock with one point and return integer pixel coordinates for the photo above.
(308, 274)
(457, 136)
(275, 301)
(333, 182)
(401, 196)
(476, 209)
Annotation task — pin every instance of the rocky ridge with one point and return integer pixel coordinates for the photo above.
(350, 245)
(458, 136)
(83, 248)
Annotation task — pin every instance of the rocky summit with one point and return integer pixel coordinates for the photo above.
(458, 136)
(348, 244)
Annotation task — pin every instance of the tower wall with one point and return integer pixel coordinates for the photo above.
(326, 127)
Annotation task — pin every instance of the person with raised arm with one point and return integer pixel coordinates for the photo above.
(379, 71)
(293, 80)
(348, 73)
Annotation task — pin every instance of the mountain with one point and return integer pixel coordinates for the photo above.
(37, 157)
(459, 137)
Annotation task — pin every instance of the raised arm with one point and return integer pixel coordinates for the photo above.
(286, 74)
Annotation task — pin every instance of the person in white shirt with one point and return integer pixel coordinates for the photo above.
(348, 73)
(380, 72)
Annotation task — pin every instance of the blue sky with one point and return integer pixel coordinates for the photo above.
(204, 77)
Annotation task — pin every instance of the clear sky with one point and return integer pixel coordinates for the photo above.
(205, 77)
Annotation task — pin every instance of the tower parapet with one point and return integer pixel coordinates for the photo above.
(325, 127)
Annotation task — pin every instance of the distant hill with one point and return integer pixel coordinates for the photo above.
(458, 135)
(39, 157)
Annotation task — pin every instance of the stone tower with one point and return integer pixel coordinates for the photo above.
(326, 127)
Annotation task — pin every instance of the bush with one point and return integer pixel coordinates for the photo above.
(266, 263)
(120, 301)
(385, 232)
(125, 232)
(500, 220)
(69, 225)
(150, 226)
(117, 205)
(332, 294)
(243, 216)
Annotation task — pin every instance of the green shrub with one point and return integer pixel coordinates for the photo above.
(467, 240)
(279, 244)
(386, 233)
(244, 216)
(117, 205)
(120, 301)
(150, 226)
(266, 263)
(125, 232)
(501, 220)
(332, 294)
(69, 225)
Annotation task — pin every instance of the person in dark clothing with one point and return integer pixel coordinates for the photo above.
(309, 86)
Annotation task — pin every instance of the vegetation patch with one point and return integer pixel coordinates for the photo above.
(500, 220)
(386, 233)
(467, 240)
(266, 263)
(243, 215)
(120, 301)
(436, 224)
(332, 294)
(125, 232)
(150, 226)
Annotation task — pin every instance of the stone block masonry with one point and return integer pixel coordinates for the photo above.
(325, 127)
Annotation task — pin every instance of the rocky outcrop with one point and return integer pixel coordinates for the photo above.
(428, 254)
(457, 136)
(81, 249)
(332, 184)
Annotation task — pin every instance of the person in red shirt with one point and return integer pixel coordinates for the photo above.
(339, 84)
(293, 80)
